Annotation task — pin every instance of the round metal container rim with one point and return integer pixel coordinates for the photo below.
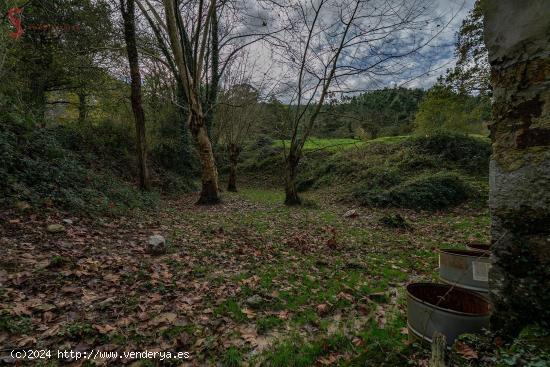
(446, 309)
(464, 253)
(484, 291)
(483, 247)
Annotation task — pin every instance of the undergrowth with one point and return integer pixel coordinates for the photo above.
(88, 169)
(418, 172)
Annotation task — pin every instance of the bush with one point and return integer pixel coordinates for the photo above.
(38, 168)
(468, 152)
(379, 178)
(431, 192)
(444, 110)
(395, 221)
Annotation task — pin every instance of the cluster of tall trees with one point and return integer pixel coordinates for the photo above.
(388, 111)
(195, 57)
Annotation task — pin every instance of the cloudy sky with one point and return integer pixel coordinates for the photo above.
(442, 55)
(417, 71)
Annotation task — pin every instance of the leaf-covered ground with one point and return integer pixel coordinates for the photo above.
(249, 282)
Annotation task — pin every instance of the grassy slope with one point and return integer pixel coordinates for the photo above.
(347, 143)
(405, 171)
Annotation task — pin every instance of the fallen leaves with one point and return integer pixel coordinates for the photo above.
(95, 282)
(465, 351)
(104, 329)
(165, 318)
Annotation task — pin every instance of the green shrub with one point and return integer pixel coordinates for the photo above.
(468, 152)
(379, 178)
(394, 221)
(38, 167)
(431, 192)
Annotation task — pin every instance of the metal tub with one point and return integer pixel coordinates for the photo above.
(479, 247)
(449, 310)
(465, 268)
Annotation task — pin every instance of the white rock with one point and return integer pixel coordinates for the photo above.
(352, 213)
(55, 228)
(156, 244)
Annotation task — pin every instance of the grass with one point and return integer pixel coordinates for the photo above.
(337, 144)
(324, 144)
(369, 258)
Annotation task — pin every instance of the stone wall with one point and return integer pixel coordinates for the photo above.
(517, 35)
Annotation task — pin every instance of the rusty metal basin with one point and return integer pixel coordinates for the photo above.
(450, 310)
(465, 268)
(479, 247)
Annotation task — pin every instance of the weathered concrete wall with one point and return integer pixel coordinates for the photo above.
(517, 35)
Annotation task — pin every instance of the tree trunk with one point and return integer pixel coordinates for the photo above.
(137, 106)
(215, 68)
(38, 100)
(197, 120)
(210, 190)
(517, 40)
(234, 152)
(82, 107)
(291, 192)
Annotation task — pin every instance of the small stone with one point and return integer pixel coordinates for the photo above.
(55, 228)
(157, 245)
(254, 301)
(352, 213)
(68, 221)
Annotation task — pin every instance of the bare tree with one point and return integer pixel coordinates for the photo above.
(194, 40)
(333, 46)
(128, 15)
(237, 110)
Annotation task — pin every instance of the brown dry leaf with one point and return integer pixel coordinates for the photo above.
(104, 329)
(47, 316)
(155, 297)
(163, 318)
(249, 313)
(465, 351)
(45, 307)
(252, 282)
(51, 331)
(283, 315)
(25, 341)
(250, 335)
(89, 297)
(380, 316)
(322, 309)
(328, 360)
(124, 321)
(346, 296)
(112, 278)
(20, 309)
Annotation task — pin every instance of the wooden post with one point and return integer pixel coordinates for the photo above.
(439, 347)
